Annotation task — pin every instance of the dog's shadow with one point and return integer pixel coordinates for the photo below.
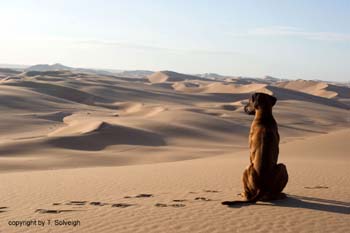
(302, 202)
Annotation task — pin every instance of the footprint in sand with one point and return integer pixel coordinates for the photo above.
(142, 195)
(169, 205)
(76, 203)
(179, 200)
(177, 205)
(79, 203)
(202, 199)
(46, 211)
(316, 187)
(97, 203)
(211, 191)
(122, 205)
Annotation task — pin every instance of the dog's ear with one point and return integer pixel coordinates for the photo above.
(273, 100)
(255, 99)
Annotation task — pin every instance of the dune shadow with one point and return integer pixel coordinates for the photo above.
(303, 202)
(64, 93)
(301, 129)
(108, 135)
(288, 94)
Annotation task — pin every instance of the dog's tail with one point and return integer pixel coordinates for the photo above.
(254, 199)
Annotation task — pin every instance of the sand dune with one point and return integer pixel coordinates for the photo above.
(317, 88)
(218, 87)
(74, 144)
(101, 109)
(6, 73)
(99, 135)
(287, 94)
(170, 76)
(53, 116)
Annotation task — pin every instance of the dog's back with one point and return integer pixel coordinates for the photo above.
(264, 149)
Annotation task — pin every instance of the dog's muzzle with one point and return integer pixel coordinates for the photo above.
(246, 109)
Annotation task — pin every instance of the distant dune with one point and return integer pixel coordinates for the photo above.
(8, 71)
(135, 73)
(47, 67)
(317, 88)
(170, 76)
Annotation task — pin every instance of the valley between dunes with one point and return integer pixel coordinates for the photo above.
(160, 153)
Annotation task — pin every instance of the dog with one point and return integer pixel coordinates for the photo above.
(263, 179)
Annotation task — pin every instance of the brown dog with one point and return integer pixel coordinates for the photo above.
(264, 179)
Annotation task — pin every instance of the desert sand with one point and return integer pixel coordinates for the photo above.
(160, 153)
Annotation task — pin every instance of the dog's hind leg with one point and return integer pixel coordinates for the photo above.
(251, 193)
(250, 181)
(280, 179)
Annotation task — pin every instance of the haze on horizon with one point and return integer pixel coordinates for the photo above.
(286, 39)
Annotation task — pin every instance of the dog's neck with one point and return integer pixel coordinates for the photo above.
(263, 114)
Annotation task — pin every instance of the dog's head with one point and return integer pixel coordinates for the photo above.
(259, 101)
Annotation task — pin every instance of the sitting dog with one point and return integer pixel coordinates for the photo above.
(263, 179)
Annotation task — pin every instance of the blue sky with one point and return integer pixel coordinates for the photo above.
(289, 39)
